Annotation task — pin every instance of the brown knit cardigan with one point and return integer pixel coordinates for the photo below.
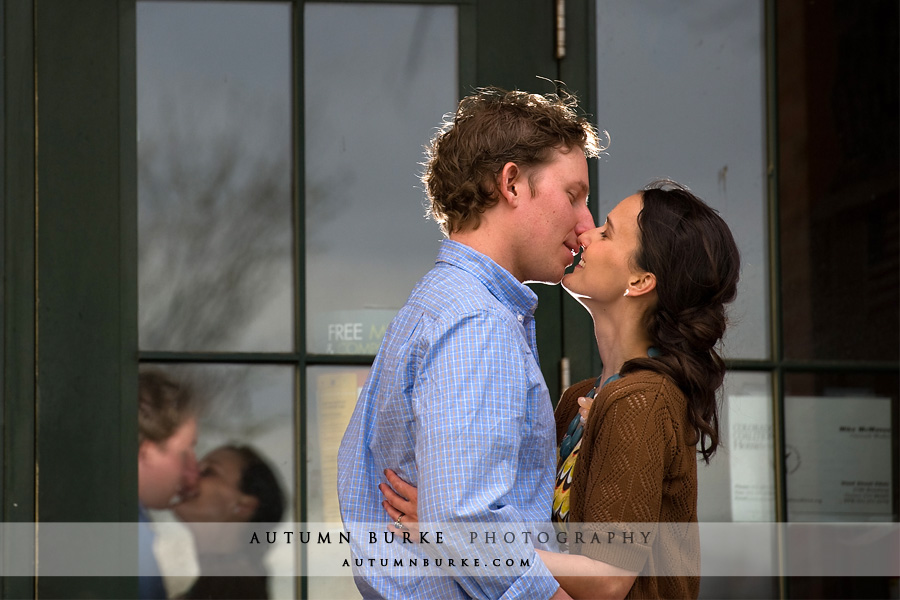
(638, 464)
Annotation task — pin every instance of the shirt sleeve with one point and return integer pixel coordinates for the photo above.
(625, 467)
(470, 403)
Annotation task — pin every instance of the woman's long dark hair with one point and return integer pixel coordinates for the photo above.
(258, 479)
(691, 251)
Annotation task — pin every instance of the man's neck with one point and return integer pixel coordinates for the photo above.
(492, 246)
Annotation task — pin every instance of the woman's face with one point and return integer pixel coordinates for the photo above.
(607, 262)
(218, 498)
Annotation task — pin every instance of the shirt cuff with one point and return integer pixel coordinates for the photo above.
(536, 582)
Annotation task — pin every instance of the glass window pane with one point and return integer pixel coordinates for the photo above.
(841, 446)
(684, 99)
(331, 397)
(739, 482)
(738, 485)
(215, 171)
(378, 79)
(243, 405)
(838, 184)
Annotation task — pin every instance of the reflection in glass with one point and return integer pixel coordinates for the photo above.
(331, 397)
(838, 183)
(378, 79)
(685, 100)
(243, 405)
(739, 483)
(214, 181)
(841, 447)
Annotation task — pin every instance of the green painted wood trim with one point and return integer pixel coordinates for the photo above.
(301, 586)
(17, 392)
(467, 52)
(774, 253)
(86, 435)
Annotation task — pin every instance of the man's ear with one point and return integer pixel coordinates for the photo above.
(509, 177)
(146, 448)
(640, 284)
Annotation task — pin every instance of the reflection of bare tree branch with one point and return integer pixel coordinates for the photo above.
(215, 241)
(215, 235)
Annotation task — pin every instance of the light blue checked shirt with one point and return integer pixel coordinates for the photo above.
(456, 404)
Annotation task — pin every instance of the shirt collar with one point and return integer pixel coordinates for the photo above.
(517, 296)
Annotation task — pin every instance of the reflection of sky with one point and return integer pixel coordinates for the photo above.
(215, 85)
(251, 40)
(680, 89)
(373, 100)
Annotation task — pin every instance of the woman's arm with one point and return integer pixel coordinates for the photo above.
(582, 577)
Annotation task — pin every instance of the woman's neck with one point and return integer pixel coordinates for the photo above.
(621, 336)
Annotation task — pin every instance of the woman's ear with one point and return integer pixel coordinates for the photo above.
(509, 177)
(641, 284)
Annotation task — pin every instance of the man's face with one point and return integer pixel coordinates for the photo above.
(217, 497)
(553, 216)
(169, 468)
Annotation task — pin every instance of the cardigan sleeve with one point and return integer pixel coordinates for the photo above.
(623, 461)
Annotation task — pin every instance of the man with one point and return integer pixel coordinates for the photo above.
(167, 465)
(455, 402)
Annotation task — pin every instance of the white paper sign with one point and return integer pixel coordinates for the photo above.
(749, 444)
(838, 458)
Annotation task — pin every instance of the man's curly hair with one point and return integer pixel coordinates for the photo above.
(490, 128)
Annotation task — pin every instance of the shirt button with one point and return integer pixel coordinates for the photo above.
(520, 318)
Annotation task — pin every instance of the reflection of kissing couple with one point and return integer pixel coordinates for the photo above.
(456, 405)
(219, 498)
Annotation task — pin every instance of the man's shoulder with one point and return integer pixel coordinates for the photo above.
(450, 289)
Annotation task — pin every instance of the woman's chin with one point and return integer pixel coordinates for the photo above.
(570, 284)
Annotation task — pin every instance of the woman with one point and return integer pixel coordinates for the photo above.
(655, 278)
(236, 486)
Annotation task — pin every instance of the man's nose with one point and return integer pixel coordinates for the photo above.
(585, 220)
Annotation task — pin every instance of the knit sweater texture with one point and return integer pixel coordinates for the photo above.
(638, 465)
